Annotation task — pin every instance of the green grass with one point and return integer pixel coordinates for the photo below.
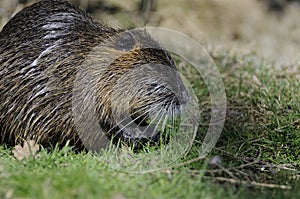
(260, 144)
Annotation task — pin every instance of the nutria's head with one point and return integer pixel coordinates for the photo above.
(138, 89)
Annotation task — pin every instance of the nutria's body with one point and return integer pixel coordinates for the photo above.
(42, 49)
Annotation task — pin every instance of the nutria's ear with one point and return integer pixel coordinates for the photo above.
(124, 41)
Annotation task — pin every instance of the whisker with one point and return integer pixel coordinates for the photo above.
(132, 121)
(129, 123)
(156, 116)
(117, 124)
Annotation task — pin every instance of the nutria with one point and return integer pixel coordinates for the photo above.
(54, 58)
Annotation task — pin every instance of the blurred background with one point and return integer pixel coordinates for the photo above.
(268, 28)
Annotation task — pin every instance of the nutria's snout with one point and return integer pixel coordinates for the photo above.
(156, 98)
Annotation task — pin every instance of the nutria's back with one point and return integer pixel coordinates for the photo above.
(43, 47)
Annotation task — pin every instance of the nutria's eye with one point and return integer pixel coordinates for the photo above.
(125, 42)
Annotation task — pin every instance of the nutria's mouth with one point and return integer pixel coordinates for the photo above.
(137, 132)
(138, 128)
